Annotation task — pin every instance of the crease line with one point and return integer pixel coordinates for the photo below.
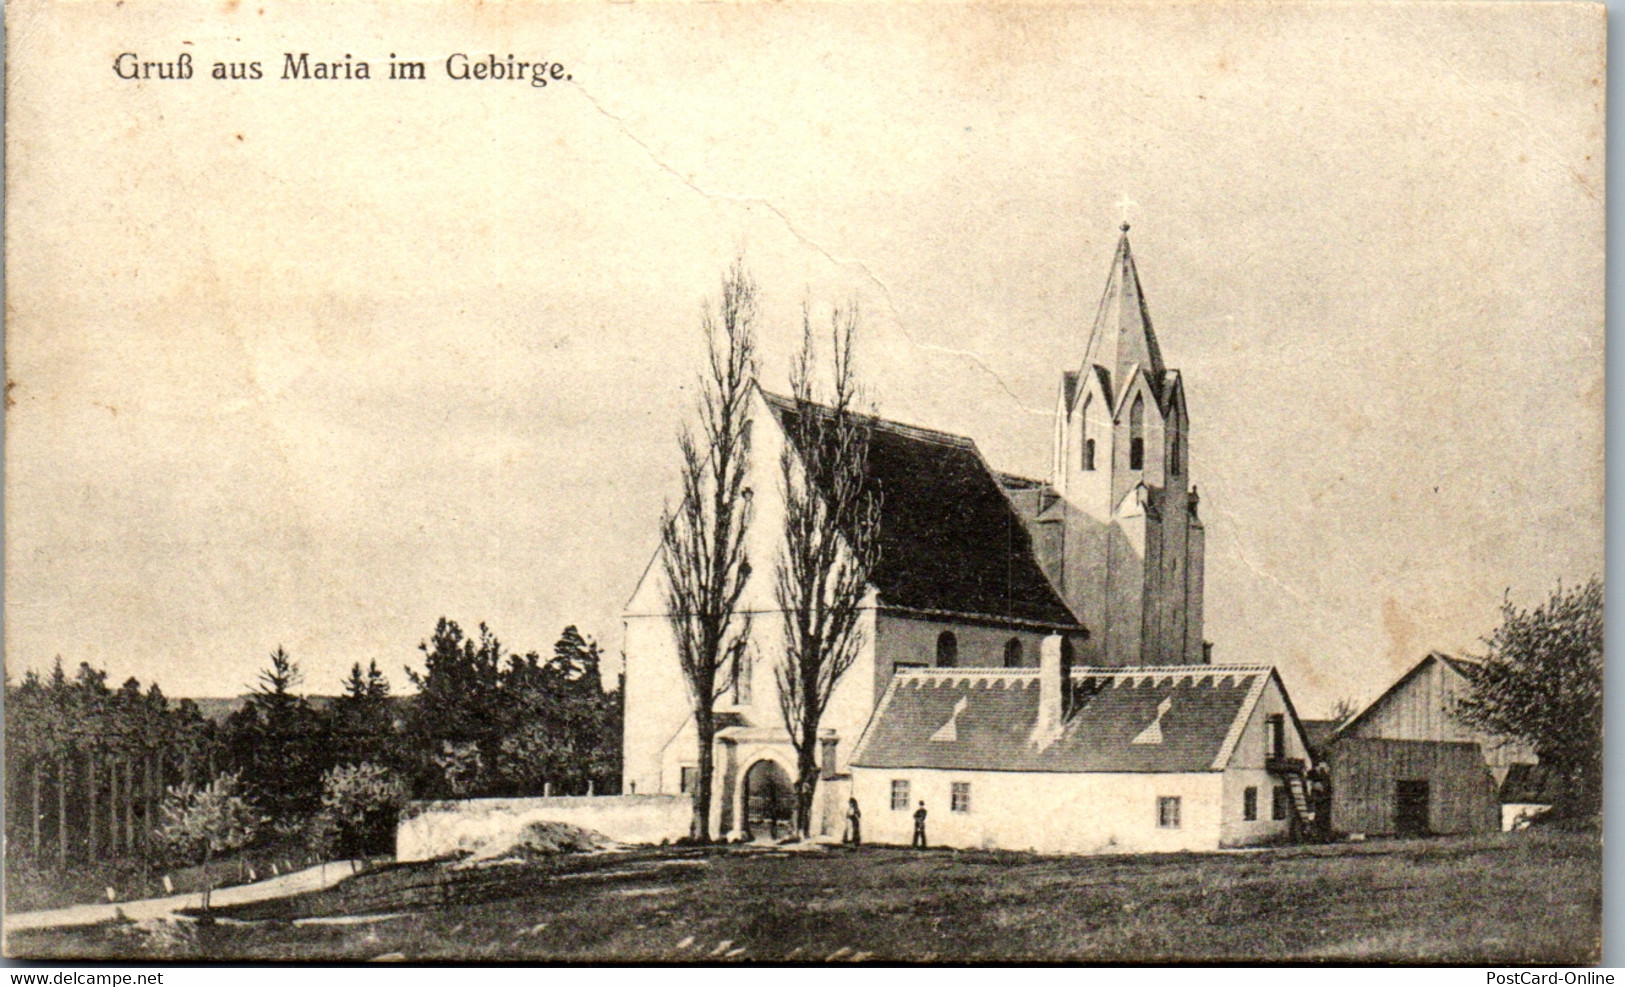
(795, 231)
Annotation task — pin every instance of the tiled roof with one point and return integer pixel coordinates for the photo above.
(950, 541)
(997, 711)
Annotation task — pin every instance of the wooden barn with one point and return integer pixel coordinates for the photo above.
(1404, 766)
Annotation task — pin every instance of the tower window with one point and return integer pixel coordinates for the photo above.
(1012, 653)
(1088, 454)
(1136, 434)
(743, 666)
(947, 650)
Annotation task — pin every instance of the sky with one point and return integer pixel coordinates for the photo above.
(312, 363)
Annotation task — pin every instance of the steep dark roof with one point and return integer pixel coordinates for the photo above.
(950, 541)
(993, 730)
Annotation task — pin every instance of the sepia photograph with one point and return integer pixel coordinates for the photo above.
(804, 483)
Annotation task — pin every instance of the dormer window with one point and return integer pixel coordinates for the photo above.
(947, 650)
(1088, 455)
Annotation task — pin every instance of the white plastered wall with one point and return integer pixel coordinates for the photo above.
(1047, 812)
(1246, 769)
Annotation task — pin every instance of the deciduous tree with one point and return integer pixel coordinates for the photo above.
(203, 823)
(831, 526)
(703, 538)
(1541, 681)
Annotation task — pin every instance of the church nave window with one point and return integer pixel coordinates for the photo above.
(947, 650)
(1012, 653)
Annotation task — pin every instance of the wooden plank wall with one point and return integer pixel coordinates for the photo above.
(1365, 772)
(1421, 710)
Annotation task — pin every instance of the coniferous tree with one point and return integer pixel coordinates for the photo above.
(457, 717)
(277, 742)
(361, 721)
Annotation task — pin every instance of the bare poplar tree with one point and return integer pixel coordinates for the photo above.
(830, 546)
(704, 538)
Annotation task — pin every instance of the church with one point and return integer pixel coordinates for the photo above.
(1033, 669)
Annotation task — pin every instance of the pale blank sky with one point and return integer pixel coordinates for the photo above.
(314, 363)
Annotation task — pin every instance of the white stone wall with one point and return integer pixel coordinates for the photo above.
(1047, 812)
(437, 829)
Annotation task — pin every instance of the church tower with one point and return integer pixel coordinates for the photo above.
(1130, 545)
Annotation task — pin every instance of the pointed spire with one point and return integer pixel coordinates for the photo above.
(1122, 335)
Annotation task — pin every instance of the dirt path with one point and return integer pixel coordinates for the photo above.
(298, 882)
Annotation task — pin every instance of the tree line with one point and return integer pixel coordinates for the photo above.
(96, 773)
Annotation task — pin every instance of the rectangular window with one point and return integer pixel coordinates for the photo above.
(689, 779)
(1275, 734)
(899, 795)
(1249, 804)
(1168, 812)
(959, 800)
(1278, 799)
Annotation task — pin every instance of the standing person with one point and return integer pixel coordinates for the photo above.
(919, 826)
(854, 822)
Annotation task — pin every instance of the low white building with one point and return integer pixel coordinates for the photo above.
(1098, 760)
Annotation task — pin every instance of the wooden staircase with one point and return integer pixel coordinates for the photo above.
(1294, 772)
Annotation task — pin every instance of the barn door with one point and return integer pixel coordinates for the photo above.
(1411, 808)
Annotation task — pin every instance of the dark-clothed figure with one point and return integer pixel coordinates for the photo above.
(919, 827)
(854, 823)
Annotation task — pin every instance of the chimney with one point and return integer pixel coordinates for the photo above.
(1048, 728)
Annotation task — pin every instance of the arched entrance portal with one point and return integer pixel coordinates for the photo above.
(769, 801)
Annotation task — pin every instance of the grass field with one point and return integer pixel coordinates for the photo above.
(1515, 898)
